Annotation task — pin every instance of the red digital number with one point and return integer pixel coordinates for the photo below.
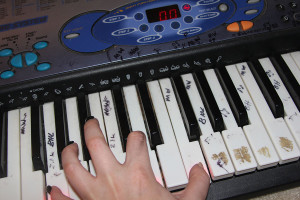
(163, 16)
(173, 13)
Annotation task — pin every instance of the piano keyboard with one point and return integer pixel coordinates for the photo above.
(236, 120)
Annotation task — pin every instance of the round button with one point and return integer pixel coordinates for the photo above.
(30, 58)
(223, 7)
(16, 61)
(43, 67)
(144, 28)
(188, 19)
(7, 74)
(175, 25)
(186, 7)
(159, 28)
(40, 45)
(6, 52)
(138, 16)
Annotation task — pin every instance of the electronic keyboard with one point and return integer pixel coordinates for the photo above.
(210, 81)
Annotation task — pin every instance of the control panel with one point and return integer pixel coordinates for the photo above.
(155, 22)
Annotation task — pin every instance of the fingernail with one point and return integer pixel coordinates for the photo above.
(200, 164)
(88, 118)
(49, 188)
(70, 142)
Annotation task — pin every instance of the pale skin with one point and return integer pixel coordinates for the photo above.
(133, 180)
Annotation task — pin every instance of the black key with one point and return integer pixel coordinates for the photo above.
(124, 126)
(186, 106)
(266, 87)
(210, 103)
(288, 79)
(151, 121)
(3, 143)
(83, 112)
(38, 146)
(61, 127)
(234, 100)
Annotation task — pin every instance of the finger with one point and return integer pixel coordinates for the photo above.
(56, 193)
(79, 178)
(198, 185)
(136, 149)
(102, 157)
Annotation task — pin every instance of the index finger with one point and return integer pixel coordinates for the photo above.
(102, 157)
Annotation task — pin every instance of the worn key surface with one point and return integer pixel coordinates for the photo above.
(154, 132)
(267, 89)
(191, 120)
(38, 139)
(210, 103)
(121, 115)
(233, 97)
(61, 127)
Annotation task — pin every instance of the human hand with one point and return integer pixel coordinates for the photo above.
(133, 180)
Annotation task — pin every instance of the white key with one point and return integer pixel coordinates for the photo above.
(10, 186)
(111, 123)
(296, 57)
(191, 152)
(197, 104)
(255, 132)
(234, 137)
(292, 65)
(213, 146)
(30, 178)
(168, 153)
(137, 124)
(74, 134)
(291, 113)
(96, 111)
(54, 176)
(277, 129)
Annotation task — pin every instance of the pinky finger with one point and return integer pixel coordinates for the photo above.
(56, 194)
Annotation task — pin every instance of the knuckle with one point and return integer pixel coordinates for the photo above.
(70, 168)
(94, 143)
(138, 136)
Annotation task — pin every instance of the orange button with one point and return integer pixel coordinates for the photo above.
(246, 25)
(233, 27)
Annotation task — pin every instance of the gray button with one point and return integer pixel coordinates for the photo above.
(223, 7)
(251, 12)
(253, 1)
(72, 36)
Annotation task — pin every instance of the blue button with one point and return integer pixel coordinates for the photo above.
(43, 67)
(40, 45)
(30, 58)
(159, 28)
(138, 16)
(6, 52)
(175, 25)
(144, 28)
(188, 19)
(7, 74)
(16, 61)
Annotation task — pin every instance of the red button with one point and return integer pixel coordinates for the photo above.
(186, 7)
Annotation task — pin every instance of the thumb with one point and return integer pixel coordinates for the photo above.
(198, 185)
(56, 193)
